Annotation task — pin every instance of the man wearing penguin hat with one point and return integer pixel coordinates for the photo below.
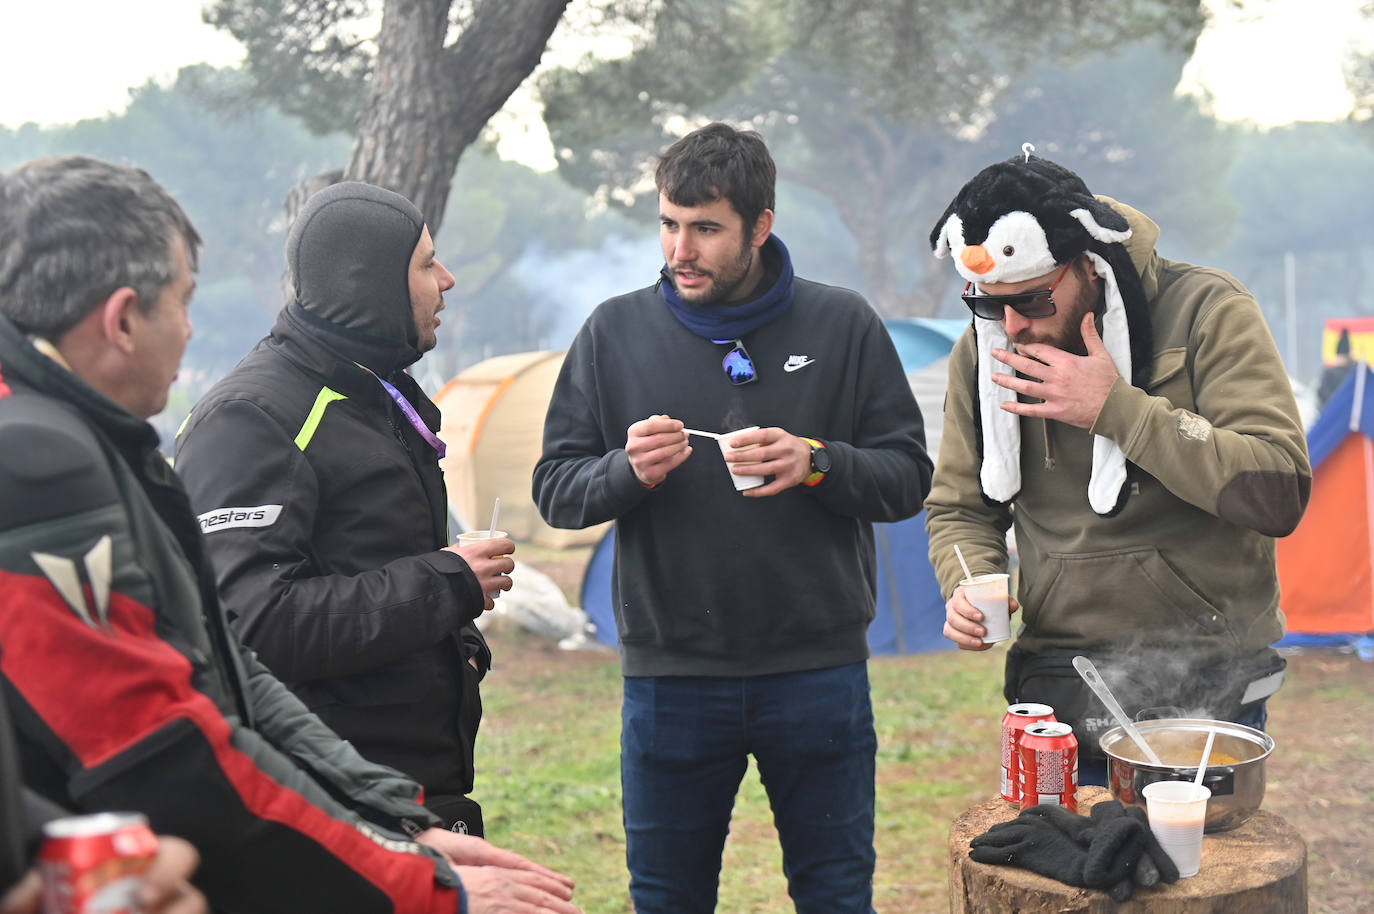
(1129, 418)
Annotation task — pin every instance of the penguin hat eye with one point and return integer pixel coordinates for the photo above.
(1008, 250)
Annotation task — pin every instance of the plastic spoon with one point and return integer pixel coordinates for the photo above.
(1090, 676)
(692, 431)
(1206, 754)
(495, 513)
(968, 575)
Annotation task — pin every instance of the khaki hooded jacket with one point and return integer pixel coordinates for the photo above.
(1218, 468)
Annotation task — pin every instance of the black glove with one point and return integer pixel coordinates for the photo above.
(1123, 852)
(1115, 845)
(1042, 839)
(1146, 873)
(1164, 865)
(1070, 823)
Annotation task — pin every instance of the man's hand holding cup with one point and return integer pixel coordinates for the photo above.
(977, 615)
(490, 555)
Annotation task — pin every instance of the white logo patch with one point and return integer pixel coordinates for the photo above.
(1193, 427)
(797, 361)
(66, 577)
(230, 518)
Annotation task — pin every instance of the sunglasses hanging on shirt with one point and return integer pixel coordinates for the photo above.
(739, 368)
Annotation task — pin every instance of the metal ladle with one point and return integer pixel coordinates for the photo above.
(1094, 680)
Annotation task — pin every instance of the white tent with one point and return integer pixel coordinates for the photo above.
(493, 424)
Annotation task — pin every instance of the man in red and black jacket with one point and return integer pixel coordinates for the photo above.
(127, 689)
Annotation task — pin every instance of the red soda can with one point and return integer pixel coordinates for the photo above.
(1014, 722)
(1049, 766)
(92, 864)
(1121, 780)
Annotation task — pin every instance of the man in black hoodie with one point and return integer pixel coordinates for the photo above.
(314, 467)
(742, 616)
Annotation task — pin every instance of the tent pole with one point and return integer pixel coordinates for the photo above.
(1357, 402)
(880, 538)
(1290, 315)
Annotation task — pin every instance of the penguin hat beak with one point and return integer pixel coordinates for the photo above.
(976, 259)
(1014, 249)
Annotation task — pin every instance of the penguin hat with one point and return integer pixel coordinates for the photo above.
(1016, 220)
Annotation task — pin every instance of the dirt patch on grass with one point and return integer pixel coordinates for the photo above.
(1321, 775)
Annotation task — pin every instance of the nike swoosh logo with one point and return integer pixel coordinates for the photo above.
(793, 366)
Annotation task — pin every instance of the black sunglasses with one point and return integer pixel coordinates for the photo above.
(1027, 304)
(739, 368)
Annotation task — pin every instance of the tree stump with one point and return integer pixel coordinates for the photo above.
(1259, 867)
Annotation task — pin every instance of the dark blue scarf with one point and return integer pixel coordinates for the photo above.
(729, 322)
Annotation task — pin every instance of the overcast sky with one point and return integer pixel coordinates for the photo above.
(63, 60)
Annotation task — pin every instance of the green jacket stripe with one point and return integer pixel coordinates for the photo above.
(312, 421)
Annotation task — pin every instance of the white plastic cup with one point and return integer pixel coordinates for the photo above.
(741, 482)
(1178, 812)
(988, 594)
(473, 536)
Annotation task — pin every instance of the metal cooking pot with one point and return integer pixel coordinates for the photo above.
(1237, 786)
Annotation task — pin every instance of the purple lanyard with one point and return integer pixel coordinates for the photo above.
(411, 415)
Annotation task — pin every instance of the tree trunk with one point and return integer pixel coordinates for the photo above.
(1259, 867)
(428, 103)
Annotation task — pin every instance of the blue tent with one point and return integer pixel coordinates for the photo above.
(922, 340)
(911, 612)
(910, 616)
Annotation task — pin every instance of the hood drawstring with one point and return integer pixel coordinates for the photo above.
(1049, 446)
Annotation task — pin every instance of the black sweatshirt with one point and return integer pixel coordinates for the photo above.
(707, 582)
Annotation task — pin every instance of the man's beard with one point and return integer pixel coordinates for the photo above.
(726, 283)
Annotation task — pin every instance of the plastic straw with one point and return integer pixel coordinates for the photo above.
(1206, 754)
(692, 431)
(968, 575)
(495, 513)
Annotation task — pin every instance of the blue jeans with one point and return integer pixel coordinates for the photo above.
(1094, 774)
(684, 748)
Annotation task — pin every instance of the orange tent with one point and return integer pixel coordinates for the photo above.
(1325, 580)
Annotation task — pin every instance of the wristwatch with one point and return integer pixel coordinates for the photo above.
(820, 461)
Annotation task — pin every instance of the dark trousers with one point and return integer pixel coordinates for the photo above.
(685, 743)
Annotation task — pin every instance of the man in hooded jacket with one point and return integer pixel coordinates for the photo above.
(314, 467)
(1130, 417)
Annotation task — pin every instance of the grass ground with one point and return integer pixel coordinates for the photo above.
(548, 773)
